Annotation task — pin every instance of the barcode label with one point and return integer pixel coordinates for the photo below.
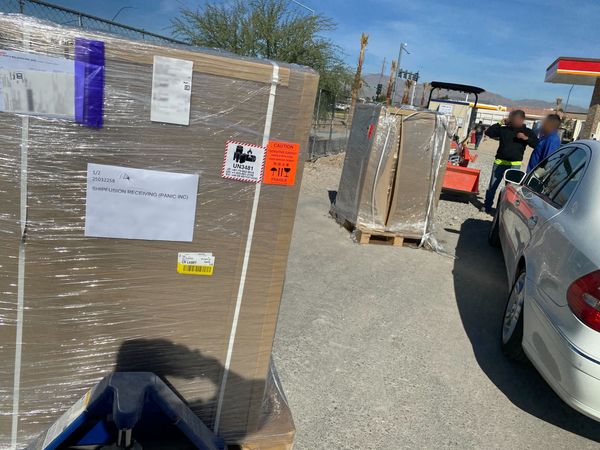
(196, 263)
(204, 270)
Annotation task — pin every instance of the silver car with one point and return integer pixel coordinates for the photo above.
(548, 225)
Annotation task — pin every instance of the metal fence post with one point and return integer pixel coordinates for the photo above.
(316, 126)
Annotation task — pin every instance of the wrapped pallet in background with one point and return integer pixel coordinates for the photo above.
(393, 171)
(144, 224)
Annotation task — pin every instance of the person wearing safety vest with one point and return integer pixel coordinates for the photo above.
(514, 138)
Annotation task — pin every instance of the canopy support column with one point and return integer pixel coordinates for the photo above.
(590, 129)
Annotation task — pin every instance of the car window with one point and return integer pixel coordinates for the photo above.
(535, 179)
(563, 181)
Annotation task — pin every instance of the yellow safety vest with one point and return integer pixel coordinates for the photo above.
(504, 162)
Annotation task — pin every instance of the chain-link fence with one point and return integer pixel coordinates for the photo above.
(73, 18)
(330, 128)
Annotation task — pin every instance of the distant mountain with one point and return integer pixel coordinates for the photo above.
(371, 80)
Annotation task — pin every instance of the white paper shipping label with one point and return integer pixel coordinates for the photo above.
(171, 90)
(196, 263)
(140, 204)
(243, 162)
(37, 84)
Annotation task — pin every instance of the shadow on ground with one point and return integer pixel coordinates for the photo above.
(462, 198)
(481, 289)
(332, 196)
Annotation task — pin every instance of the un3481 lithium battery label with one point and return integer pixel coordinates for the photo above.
(243, 162)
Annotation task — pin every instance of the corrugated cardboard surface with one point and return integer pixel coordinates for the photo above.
(390, 182)
(367, 177)
(94, 305)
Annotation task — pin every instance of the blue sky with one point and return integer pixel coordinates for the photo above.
(502, 46)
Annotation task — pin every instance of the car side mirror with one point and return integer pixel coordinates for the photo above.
(514, 176)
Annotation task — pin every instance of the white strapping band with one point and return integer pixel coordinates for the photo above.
(20, 270)
(20, 282)
(240, 294)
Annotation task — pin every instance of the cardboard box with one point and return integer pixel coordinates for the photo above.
(74, 307)
(393, 171)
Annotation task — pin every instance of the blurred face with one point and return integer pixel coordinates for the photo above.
(516, 121)
(549, 126)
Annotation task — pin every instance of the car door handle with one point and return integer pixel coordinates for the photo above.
(533, 220)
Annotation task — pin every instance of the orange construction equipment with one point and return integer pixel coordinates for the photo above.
(461, 180)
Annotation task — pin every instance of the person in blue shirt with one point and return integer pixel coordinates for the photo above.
(548, 143)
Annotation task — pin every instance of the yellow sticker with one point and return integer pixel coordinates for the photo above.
(196, 264)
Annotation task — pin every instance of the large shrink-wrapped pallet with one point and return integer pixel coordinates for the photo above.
(109, 213)
(393, 170)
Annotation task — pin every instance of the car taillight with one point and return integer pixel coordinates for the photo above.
(584, 299)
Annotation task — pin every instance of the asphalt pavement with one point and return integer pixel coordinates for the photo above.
(382, 347)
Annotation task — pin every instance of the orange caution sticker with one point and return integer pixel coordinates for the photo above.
(281, 163)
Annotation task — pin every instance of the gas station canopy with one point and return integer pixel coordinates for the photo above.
(570, 70)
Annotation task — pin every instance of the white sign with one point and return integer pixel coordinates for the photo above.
(445, 108)
(37, 84)
(243, 162)
(171, 90)
(140, 204)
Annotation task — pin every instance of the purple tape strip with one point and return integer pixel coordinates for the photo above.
(89, 82)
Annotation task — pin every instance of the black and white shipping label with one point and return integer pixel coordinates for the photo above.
(243, 162)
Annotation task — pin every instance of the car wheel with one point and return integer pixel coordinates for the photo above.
(512, 323)
(494, 233)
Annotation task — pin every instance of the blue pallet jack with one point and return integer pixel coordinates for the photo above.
(128, 410)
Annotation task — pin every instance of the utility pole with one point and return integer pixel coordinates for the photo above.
(403, 46)
(364, 40)
(391, 83)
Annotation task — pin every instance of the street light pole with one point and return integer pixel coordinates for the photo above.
(403, 46)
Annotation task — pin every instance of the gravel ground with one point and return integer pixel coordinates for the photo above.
(382, 347)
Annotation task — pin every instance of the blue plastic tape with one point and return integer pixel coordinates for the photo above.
(89, 82)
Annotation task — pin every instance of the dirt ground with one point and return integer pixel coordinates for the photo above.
(381, 347)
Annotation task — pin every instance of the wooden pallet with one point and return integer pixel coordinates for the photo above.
(374, 237)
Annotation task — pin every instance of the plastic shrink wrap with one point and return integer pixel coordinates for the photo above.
(393, 171)
(135, 231)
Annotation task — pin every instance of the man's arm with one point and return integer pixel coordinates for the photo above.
(493, 131)
(532, 139)
(529, 137)
(553, 144)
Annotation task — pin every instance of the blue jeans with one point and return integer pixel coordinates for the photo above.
(495, 180)
(478, 138)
